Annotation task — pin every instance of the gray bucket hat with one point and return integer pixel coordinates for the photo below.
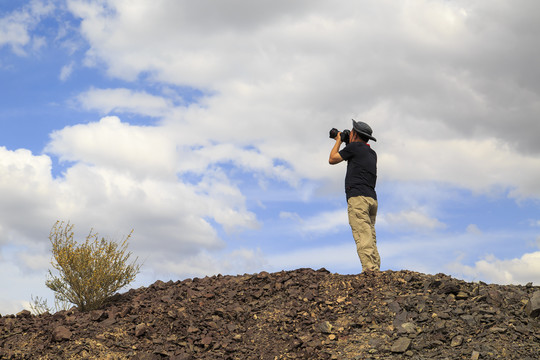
(363, 129)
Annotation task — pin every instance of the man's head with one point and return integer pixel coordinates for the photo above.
(363, 130)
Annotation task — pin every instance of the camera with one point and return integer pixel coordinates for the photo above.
(345, 134)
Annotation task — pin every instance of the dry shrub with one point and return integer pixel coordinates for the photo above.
(91, 272)
(40, 306)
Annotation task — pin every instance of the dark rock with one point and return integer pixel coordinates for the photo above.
(125, 311)
(300, 314)
(207, 340)
(146, 356)
(408, 328)
(401, 345)
(192, 329)
(24, 314)
(98, 315)
(450, 288)
(456, 341)
(61, 333)
(326, 327)
(533, 305)
(140, 330)
(494, 297)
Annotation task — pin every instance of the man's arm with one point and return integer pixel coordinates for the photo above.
(335, 158)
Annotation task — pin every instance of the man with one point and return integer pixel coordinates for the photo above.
(360, 190)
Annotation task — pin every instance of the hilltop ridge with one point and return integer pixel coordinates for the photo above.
(302, 314)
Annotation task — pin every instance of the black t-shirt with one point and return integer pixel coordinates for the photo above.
(361, 170)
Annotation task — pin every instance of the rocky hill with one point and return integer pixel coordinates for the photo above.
(301, 314)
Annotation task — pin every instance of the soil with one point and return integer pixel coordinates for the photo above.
(300, 314)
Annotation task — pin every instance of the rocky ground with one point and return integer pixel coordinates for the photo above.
(301, 314)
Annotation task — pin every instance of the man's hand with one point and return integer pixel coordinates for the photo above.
(335, 158)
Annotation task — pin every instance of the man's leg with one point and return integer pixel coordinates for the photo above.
(362, 212)
(373, 217)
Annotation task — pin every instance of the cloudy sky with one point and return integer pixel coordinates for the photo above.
(203, 125)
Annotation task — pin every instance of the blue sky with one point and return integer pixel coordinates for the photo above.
(204, 127)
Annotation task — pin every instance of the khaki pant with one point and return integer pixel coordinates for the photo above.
(362, 213)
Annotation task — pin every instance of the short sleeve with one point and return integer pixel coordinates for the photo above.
(346, 153)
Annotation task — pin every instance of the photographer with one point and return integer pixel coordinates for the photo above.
(360, 188)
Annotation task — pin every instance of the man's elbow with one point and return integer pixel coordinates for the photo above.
(334, 160)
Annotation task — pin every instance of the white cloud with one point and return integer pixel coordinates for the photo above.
(520, 270)
(409, 220)
(27, 192)
(534, 223)
(21, 287)
(237, 261)
(295, 70)
(320, 224)
(473, 229)
(124, 101)
(290, 215)
(434, 152)
(168, 216)
(327, 221)
(252, 160)
(35, 261)
(66, 71)
(141, 150)
(15, 27)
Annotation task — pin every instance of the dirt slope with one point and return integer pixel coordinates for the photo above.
(301, 314)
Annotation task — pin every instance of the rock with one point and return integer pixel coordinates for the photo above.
(533, 305)
(193, 329)
(494, 297)
(24, 314)
(408, 328)
(456, 341)
(98, 315)
(146, 356)
(299, 314)
(469, 319)
(61, 333)
(140, 330)
(401, 345)
(400, 319)
(450, 288)
(125, 311)
(207, 340)
(326, 327)
(497, 329)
